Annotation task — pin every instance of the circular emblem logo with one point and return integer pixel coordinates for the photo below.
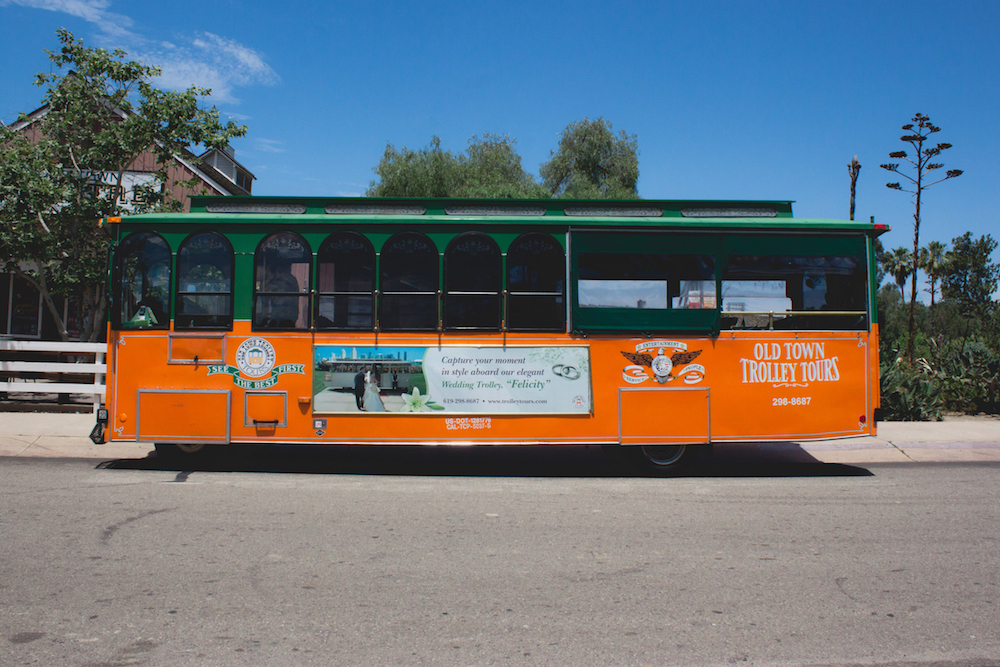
(255, 357)
(662, 365)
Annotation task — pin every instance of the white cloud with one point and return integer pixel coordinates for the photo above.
(91, 11)
(210, 61)
(205, 60)
(269, 146)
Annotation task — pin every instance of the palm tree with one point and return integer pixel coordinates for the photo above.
(899, 264)
(934, 262)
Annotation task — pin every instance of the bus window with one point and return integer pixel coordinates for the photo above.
(346, 274)
(646, 281)
(143, 284)
(204, 283)
(472, 282)
(281, 282)
(780, 291)
(536, 279)
(408, 283)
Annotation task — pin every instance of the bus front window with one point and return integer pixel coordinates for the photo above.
(143, 284)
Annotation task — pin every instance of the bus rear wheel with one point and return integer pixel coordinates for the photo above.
(664, 459)
(174, 452)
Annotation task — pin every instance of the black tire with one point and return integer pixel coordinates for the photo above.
(180, 452)
(663, 460)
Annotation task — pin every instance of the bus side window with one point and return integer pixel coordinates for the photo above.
(281, 282)
(142, 283)
(472, 282)
(408, 282)
(536, 279)
(204, 283)
(781, 291)
(346, 277)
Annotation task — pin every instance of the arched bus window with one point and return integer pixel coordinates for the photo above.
(408, 280)
(536, 284)
(281, 282)
(472, 282)
(142, 269)
(204, 283)
(346, 274)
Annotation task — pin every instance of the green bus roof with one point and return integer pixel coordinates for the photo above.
(653, 213)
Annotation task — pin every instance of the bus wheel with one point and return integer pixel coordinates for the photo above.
(170, 452)
(664, 459)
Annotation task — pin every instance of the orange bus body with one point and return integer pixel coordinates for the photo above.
(749, 386)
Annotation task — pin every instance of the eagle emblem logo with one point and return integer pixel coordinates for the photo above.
(662, 365)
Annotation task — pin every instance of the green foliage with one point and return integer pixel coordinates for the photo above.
(933, 260)
(969, 374)
(911, 393)
(493, 169)
(429, 172)
(971, 277)
(593, 163)
(68, 170)
(952, 371)
(899, 264)
(490, 169)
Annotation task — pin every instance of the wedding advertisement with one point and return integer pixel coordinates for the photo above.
(452, 379)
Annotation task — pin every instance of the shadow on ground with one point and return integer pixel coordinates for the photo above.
(728, 460)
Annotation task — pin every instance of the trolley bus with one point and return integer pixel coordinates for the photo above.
(648, 327)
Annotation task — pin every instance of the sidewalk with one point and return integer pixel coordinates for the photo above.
(961, 438)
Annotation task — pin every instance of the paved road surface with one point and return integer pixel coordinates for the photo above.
(483, 556)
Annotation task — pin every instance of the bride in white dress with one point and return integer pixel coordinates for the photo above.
(371, 400)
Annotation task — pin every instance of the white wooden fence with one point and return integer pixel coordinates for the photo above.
(44, 377)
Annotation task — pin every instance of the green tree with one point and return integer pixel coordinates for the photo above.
(101, 116)
(971, 277)
(491, 168)
(923, 163)
(428, 172)
(899, 264)
(933, 261)
(593, 163)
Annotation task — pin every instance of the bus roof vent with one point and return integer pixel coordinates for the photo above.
(374, 209)
(614, 211)
(495, 210)
(741, 212)
(253, 207)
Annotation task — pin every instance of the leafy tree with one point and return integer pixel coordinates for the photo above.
(922, 162)
(491, 169)
(899, 264)
(971, 277)
(933, 261)
(101, 116)
(428, 172)
(593, 163)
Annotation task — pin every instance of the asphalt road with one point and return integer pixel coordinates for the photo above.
(496, 556)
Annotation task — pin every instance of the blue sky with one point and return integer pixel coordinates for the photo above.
(741, 100)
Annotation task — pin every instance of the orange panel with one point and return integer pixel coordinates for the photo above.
(663, 416)
(266, 409)
(197, 349)
(183, 416)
